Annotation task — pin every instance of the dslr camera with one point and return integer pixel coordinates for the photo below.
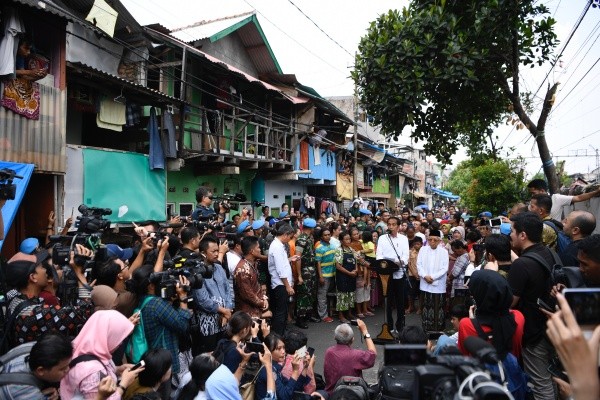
(8, 190)
(194, 269)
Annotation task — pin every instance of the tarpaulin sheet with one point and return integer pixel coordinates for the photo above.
(9, 211)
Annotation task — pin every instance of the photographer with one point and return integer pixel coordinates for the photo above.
(214, 301)
(204, 198)
(28, 316)
(162, 321)
(343, 360)
(190, 239)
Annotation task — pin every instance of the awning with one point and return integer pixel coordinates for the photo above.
(422, 195)
(444, 193)
(9, 211)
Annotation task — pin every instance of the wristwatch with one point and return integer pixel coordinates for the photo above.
(367, 336)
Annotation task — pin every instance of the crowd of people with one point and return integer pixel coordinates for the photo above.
(216, 309)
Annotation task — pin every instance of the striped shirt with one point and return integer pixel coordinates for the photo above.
(325, 254)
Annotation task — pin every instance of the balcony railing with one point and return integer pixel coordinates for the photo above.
(239, 133)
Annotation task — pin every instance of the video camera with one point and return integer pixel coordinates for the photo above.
(194, 269)
(8, 190)
(91, 220)
(408, 372)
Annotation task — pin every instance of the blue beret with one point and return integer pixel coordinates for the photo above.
(256, 225)
(273, 221)
(283, 214)
(486, 214)
(365, 211)
(309, 223)
(243, 226)
(505, 228)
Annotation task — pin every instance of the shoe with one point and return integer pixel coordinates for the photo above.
(327, 319)
(314, 319)
(394, 333)
(361, 316)
(344, 321)
(369, 314)
(300, 323)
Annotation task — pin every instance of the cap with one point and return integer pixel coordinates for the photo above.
(29, 245)
(245, 225)
(17, 272)
(309, 223)
(505, 228)
(435, 232)
(273, 221)
(485, 214)
(115, 250)
(364, 211)
(330, 219)
(258, 224)
(283, 214)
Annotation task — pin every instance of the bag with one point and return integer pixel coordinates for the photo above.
(514, 375)
(247, 390)
(137, 345)
(562, 240)
(396, 382)
(555, 273)
(9, 326)
(18, 378)
(357, 385)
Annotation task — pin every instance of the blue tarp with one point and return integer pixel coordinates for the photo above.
(444, 193)
(9, 211)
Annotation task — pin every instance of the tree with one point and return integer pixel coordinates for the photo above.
(450, 70)
(490, 185)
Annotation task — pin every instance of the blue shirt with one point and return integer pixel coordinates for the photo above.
(221, 385)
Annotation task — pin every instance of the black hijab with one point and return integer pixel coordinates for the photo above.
(493, 298)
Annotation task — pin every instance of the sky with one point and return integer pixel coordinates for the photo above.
(307, 49)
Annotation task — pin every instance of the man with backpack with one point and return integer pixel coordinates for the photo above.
(529, 280)
(552, 234)
(33, 371)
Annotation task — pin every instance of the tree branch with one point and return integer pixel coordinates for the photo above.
(548, 103)
(518, 108)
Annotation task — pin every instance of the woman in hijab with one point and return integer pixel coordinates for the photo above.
(99, 337)
(493, 315)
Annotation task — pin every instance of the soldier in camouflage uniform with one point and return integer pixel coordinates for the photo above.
(306, 284)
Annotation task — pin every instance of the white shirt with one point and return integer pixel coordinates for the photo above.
(279, 265)
(558, 202)
(433, 263)
(233, 259)
(387, 248)
(335, 242)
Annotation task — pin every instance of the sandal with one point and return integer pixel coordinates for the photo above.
(344, 321)
(369, 314)
(360, 315)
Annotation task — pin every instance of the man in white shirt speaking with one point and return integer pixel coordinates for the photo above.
(432, 265)
(393, 246)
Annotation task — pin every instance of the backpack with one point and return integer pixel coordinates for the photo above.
(9, 327)
(18, 378)
(137, 345)
(562, 240)
(357, 385)
(556, 273)
(515, 377)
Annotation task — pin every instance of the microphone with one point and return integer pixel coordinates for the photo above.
(481, 350)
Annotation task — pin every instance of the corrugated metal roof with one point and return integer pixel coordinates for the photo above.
(140, 89)
(41, 142)
(248, 30)
(196, 52)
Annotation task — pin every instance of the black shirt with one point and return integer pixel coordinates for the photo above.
(569, 255)
(528, 280)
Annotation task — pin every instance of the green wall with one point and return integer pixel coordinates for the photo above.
(179, 181)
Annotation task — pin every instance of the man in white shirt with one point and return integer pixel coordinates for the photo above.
(282, 279)
(393, 246)
(432, 265)
(539, 186)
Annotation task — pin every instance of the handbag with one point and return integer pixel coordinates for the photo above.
(247, 390)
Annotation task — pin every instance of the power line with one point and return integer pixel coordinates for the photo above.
(297, 42)
(319, 28)
(585, 10)
(577, 84)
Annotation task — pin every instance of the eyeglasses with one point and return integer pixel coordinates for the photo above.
(210, 197)
(126, 265)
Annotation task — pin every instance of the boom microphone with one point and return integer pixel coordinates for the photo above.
(481, 350)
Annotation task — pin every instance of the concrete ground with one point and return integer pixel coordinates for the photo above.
(320, 336)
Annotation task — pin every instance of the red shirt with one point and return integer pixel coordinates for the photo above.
(343, 360)
(466, 329)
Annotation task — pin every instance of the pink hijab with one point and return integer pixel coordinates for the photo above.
(100, 336)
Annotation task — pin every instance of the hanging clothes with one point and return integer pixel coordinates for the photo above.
(169, 141)
(133, 114)
(156, 157)
(324, 206)
(13, 27)
(317, 155)
(111, 115)
(304, 156)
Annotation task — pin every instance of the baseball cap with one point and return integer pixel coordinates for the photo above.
(365, 211)
(29, 245)
(273, 221)
(485, 214)
(505, 228)
(115, 250)
(243, 226)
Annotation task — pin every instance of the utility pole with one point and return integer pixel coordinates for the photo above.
(355, 175)
(597, 164)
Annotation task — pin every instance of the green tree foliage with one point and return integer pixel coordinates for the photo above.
(450, 70)
(491, 185)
